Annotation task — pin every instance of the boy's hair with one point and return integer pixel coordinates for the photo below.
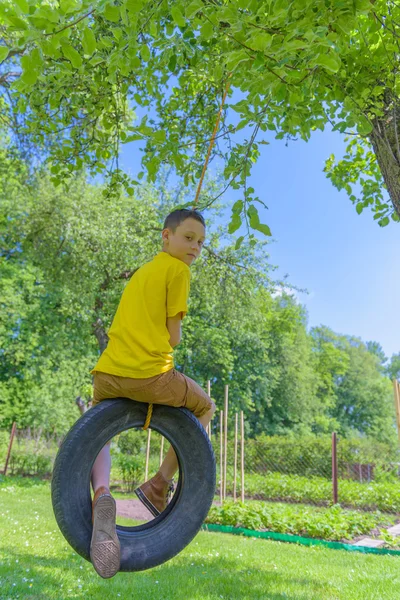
(176, 217)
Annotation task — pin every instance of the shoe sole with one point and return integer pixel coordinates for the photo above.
(105, 552)
(144, 500)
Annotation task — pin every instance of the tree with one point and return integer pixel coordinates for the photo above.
(73, 73)
(60, 290)
(393, 369)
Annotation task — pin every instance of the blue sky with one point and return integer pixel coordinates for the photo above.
(349, 264)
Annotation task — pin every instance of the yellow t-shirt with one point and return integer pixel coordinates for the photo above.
(138, 344)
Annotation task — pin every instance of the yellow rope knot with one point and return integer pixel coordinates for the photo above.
(148, 418)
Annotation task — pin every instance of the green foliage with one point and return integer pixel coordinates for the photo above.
(393, 369)
(299, 66)
(132, 470)
(64, 262)
(318, 490)
(359, 168)
(333, 524)
(356, 396)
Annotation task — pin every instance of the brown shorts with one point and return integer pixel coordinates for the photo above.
(171, 388)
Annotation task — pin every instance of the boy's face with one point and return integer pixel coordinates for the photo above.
(187, 241)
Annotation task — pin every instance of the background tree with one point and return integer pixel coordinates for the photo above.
(393, 369)
(63, 266)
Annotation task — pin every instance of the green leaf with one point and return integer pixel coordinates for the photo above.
(330, 63)
(68, 6)
(263, 229)
(112, 14)
(178, 16)
(88, 41)
(206, 31)
(145, 52)
(384, 222)
(72, 55)
(193, 8)
(364, 126)
(253, 214)
(260, 41)
(3, 53)
(23, 5)
(172, 63)
(29, 76)
(239, 242)
(160, 136)
(17, 23)
(96, 60)
(235, 223)
(48, 49)
(238, 206)
(359, 208)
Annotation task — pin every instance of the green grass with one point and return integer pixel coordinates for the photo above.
(36, 563)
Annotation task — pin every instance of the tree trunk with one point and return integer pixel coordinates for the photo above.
(100, 333)
(385, 141)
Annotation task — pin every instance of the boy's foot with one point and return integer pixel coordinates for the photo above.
(156, 493)
(105, 551)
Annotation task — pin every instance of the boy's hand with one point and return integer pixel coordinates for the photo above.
(174, 328)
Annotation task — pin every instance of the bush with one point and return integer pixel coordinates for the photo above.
(23, 463)
(318, 490)
(333, 523)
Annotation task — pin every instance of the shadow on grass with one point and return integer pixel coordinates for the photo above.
(223, 578)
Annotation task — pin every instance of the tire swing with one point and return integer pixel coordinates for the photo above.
(150, 544)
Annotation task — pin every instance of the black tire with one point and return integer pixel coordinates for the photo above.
(155, 542)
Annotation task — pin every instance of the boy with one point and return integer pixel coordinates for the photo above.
(138, 364)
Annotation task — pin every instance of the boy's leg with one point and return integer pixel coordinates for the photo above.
(101, 469)
(105, 552)
(170, 463)
(183, 391)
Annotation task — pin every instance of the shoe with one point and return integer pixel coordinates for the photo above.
(156, 493)
(105, 552)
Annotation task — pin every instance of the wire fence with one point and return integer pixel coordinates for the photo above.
(316, 471)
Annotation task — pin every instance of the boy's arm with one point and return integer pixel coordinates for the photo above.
(174, 328)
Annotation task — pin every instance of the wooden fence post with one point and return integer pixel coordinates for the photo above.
(242, 454)
(334, 468)
(161, 449)
(209, 394)
(221, 456)
(146, 470)
(14, 426)
(226, 438)
(396, 390)
(235, 459)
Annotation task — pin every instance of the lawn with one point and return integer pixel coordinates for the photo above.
(37, 563)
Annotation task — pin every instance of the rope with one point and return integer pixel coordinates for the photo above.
(148, 418)
(212, 141)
